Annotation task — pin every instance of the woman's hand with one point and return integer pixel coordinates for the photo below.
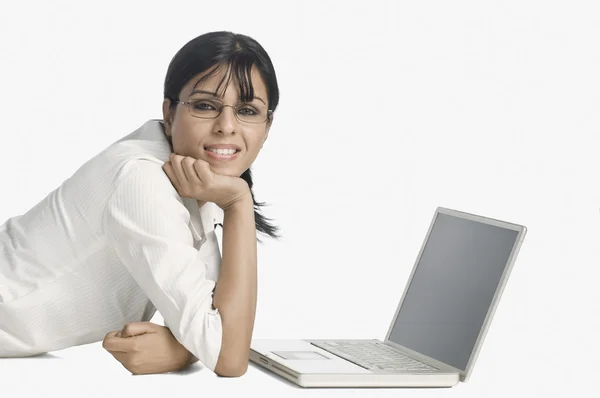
(146, 348)
(193, 178)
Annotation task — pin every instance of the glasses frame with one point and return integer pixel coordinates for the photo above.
(234, 107)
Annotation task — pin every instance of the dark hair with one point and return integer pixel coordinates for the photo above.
(238, 53)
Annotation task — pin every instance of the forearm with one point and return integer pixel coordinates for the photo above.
(235, 291)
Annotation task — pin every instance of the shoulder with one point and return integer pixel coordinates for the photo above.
(148, 142)
(144, 173)
(143, 193)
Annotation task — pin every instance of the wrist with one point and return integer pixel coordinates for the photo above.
(242, 201)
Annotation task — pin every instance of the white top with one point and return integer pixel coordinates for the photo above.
(110, 245)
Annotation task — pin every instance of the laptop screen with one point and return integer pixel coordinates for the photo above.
(452, 288)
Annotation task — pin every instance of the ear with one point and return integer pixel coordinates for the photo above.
(167, 115)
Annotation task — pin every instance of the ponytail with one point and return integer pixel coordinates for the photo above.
(262, 223)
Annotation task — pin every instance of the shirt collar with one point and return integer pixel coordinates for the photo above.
(151, 136)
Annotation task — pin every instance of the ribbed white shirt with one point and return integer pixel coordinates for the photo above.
(112, 244)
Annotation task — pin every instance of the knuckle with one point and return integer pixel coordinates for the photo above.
(200, 164)
(106, 340)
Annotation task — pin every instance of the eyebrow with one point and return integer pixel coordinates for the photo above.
(215, 95)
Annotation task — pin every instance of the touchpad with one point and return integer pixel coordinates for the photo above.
(300, 355)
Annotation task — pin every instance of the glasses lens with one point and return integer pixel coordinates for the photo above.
(251, 114)
(205, 109)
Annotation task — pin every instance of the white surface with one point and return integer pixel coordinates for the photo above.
(388, 109)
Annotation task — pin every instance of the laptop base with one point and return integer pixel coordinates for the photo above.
(334, 372)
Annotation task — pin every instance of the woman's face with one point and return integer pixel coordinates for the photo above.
(201, 138)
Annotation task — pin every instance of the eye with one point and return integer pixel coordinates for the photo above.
(204, 105)
(247, 111)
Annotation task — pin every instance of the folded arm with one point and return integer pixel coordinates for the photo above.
(147, 224)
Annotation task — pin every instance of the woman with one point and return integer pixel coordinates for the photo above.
(132, 231)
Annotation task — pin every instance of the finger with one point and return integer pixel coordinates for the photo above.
(121, 344)
(113, 344)
(190, 171)
(112, 334)
(137, 328)
(178, 168)
(203, 170)
(108, 337)
(168, 168)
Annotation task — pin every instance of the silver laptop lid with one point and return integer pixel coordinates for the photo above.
(455, 286)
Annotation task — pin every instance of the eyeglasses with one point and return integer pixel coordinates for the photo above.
(211, 109)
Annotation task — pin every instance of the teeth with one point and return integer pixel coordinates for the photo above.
(222, 151)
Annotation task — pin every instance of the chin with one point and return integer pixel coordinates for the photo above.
(227, 172)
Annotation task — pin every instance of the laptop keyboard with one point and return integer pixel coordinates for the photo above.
(372, 355)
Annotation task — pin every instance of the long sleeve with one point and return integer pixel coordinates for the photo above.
(146, 222)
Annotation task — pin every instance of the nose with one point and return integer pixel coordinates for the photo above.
(226, 122)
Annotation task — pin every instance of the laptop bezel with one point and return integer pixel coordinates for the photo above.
(521, 229)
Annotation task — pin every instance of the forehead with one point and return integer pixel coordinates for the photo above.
(225, 81)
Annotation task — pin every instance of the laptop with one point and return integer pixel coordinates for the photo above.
(439, 325)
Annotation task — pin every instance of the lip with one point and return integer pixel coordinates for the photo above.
(223, 146)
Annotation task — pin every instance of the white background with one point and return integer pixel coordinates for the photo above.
(388, 109)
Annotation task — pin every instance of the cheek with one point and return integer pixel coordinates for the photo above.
(255, 148)
(186, 136)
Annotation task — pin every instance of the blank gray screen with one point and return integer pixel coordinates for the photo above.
(452, 289)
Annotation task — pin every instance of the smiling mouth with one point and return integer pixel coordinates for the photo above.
(223, 152)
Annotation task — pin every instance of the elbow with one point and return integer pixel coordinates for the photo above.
(233, 358)
(236, 368)
(234, 354)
